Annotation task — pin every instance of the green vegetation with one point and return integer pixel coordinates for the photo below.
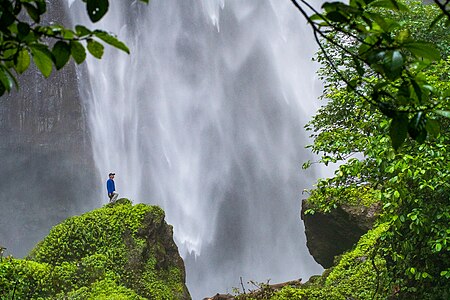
(386, 70)
(376, 42)
(412, 181)
(356, 275)
(24, 37)
(119, 251)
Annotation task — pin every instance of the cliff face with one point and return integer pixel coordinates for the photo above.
(119, 251)
(45, 156)
(334, 233)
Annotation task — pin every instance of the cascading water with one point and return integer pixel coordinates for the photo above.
(205, 118)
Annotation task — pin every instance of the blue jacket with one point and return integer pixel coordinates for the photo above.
(110, 186)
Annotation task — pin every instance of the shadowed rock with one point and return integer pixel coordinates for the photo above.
(334, 233)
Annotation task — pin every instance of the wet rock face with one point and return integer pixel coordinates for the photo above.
(334, 233)
(159, 233)
(45, 157)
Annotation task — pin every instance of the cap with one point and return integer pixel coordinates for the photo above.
(111, 174)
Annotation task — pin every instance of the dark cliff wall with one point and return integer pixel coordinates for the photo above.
(46, 166)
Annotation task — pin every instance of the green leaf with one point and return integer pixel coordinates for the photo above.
(403, 35)
(396, 194)
(444, 113)
(13, 78)
(42, 59)
(376, 56)
(393, 64)
(2, 89)
(61, 53)
(95, 48)
(433, 127)
(416, 88)
(306, 165)
(331, 6)
(97, 9)
(416, 127)
(23, 61)
(386, 109)
(23, 29)
(9, 57)
(404, 92)
(17, 8)
(358, 67)
(68, 34)
(41, 6)
(5, 78)
(398, 130)
(336, 16)
(78, 52)
(316, 17)
(389, 4)
(82, 31)
(423, 49)
(56, 29)
(33, 12)
(111, 40)
(7, 18)
(446, 93)
(386, 24)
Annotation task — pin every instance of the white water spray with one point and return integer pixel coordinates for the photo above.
(205, 118)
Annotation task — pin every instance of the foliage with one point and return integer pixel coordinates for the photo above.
(99, 231)
(103, 254)
(357, 275)
(25, 38)
(378, 43)
(106, 289)
(22, 278)
(412, 182)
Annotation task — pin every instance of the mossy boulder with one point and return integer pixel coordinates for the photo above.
(119, 251)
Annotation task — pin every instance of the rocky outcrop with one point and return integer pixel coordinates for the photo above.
(120, 251)
(331, 234)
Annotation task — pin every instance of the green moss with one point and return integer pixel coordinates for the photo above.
(98, 231)
(326, 199)
(103, 254)
(354, 277)
(161, 283)
(104, 290)
(25, 278)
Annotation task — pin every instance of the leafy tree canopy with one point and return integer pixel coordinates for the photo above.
(382, 46)
(411, 183)
(24, 38)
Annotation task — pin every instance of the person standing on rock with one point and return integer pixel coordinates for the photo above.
(111, 187)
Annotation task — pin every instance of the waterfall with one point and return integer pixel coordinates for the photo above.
(205, 118)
